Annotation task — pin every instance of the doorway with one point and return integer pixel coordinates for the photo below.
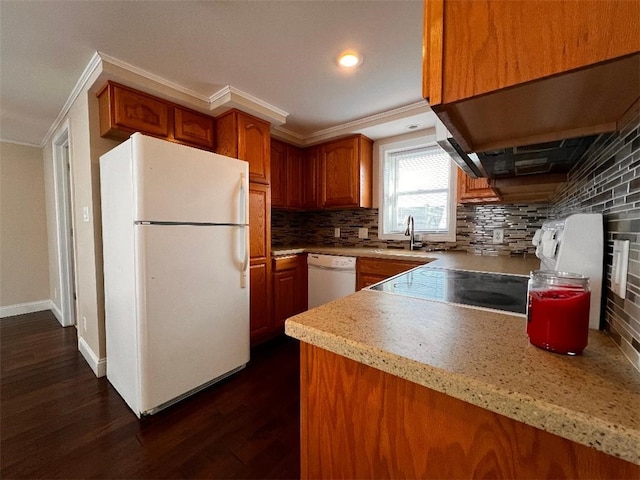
(64, 226)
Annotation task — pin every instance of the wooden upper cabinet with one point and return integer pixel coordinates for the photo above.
(287, 175)
(278, 173)
(294, 177)
(311, 158)
(193, 127)
(346, 169)
(503, 73)
(475, 190)
(124, 110)
(246, 137)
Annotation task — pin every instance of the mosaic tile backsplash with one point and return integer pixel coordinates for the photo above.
(608, 182)
(475, 224)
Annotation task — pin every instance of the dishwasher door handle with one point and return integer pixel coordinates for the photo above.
(333, 269)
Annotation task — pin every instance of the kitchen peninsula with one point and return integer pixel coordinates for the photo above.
(400, 387)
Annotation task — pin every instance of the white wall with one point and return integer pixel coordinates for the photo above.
(24, 256)
(85, 148)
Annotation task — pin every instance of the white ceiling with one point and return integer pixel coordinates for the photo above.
(281, 52)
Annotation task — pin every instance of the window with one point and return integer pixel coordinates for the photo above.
(417, 180)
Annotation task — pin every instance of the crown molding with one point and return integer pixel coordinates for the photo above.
(224, 99)
(231, 97)
(95, 63)
(348, 128)
(287, 135)
(376, 119)
(22, 144)
(112, 61)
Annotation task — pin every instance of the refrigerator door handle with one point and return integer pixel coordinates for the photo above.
(245, 223)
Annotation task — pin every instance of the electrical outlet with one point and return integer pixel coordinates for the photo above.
(84, 323)
(336, 232)
(363, 233)
(498, 235)
(619, 267)
(55, 293)
(85, 214)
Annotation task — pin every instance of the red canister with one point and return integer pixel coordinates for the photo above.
(558, 311)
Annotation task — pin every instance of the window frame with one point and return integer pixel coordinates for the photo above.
(411, 144)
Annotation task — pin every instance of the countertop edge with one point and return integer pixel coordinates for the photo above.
(574, 426)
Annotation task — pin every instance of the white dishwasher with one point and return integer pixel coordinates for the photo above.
(330, 277)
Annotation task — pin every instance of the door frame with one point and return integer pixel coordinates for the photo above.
(64, 224)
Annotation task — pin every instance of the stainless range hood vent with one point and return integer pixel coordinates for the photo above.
(539, 147)
(548, 157)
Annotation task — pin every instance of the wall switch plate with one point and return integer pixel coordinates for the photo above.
(85, 214)
(363, 233)
(336, 232)
(498, 235)
(619, 267)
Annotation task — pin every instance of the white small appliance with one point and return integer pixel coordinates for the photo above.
(330, 277)
(575, 244)
(176, 261)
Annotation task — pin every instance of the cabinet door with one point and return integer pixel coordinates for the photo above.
(254, 146)
(374, 270)
(294, 177)
(311, 176)
(259, 304)
(481, 56)
(475, 190)
(284, 296)
(278, 174)
(565, 75)
(259, 222)
(133, 111)
(340, 181)
(193, 128)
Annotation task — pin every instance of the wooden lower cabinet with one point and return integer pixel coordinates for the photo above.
(360, 422)
(374, 270)
(259, 304)
(289, 288)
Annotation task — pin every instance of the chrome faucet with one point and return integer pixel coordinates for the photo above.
(410, 232)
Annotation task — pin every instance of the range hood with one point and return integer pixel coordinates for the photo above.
(542, 158)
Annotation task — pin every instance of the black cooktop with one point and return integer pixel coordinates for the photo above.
(487, 290)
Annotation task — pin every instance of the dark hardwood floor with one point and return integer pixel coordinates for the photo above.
(57, 420)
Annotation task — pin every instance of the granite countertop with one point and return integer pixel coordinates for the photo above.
(485, 358)
(447, 259)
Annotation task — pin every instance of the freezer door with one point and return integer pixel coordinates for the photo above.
(176, 183)
(194, 314)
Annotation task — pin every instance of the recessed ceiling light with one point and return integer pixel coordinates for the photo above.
(350, 59)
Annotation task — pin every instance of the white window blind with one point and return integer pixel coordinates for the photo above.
(417, 182)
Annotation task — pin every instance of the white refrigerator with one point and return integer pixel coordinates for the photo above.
(176, 264)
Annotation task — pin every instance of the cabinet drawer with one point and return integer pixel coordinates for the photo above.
(385, 268)
(287, 263)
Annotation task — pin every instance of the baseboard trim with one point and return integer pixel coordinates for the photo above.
(98, 365)
(56, 312)
(28, 307)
